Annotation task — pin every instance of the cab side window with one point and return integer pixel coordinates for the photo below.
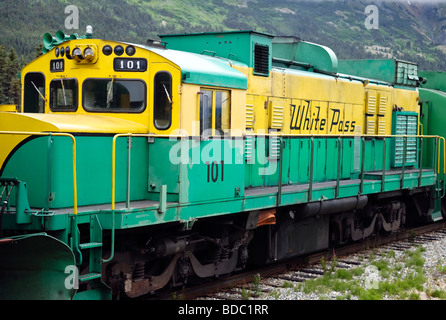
(206, 98)
(162, 105)
(215, 112)
(34, 93)
(222, 112)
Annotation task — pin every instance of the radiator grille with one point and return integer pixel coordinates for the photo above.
(406, 124)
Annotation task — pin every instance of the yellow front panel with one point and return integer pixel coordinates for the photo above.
(18, 122)
(102, 66)
(238, 112)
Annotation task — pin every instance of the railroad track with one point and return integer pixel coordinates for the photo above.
(248, 284)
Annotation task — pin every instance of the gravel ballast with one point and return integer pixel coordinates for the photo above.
(413, 270)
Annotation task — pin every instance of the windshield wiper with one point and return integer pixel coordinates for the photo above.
(110, 92)
(63, 92)
(167, 94)
(40, 93)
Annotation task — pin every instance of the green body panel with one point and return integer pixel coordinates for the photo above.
(234, 45)
(202, 186)
(49, 171)
(291, 49)
(436, 80)
(433, 104)
(217, 167)
(202, 177)
(205, 70)
(34, 170)
(389, 70)
(162, 171)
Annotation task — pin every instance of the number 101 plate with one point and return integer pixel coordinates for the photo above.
(57, 65)
(130, 64)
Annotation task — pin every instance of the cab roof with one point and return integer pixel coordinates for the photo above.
(205, 70)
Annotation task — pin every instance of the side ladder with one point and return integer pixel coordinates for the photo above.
(97, 289)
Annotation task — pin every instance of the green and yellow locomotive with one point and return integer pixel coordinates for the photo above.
(134, 168)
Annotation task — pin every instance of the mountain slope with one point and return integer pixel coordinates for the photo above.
(414, 31)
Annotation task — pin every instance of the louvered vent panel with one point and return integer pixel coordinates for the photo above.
(250, 116)
(371, 104)
(249, 149)
(381, 126)
(406, 149)
(370, 125)
(274, 147)
(382, 106)
(261, 60)
(276, 117)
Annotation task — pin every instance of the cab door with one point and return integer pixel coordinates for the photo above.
(163, 101)
(164, 108)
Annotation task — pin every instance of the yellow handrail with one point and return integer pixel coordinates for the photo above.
(60, 134)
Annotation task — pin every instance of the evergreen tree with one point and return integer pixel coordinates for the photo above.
(2, 74)
(9, 77)
(13, 92)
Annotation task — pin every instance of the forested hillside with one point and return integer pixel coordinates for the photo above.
(414, 32)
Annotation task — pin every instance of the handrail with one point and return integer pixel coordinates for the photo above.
(60, 134)
(115, 137)
(281, 134)
(439, 141)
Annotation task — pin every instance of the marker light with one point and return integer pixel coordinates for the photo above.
(107, 50)
(130, 50)
(67, 51)
(119, 50)
(89, 32)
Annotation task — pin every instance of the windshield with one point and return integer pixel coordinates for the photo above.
(63, 95)
(112, 95)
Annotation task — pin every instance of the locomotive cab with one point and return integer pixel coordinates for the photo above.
(137, 85)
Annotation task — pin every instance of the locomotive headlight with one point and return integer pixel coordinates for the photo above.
(85, 53)
(77, 54)
(89, 54)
